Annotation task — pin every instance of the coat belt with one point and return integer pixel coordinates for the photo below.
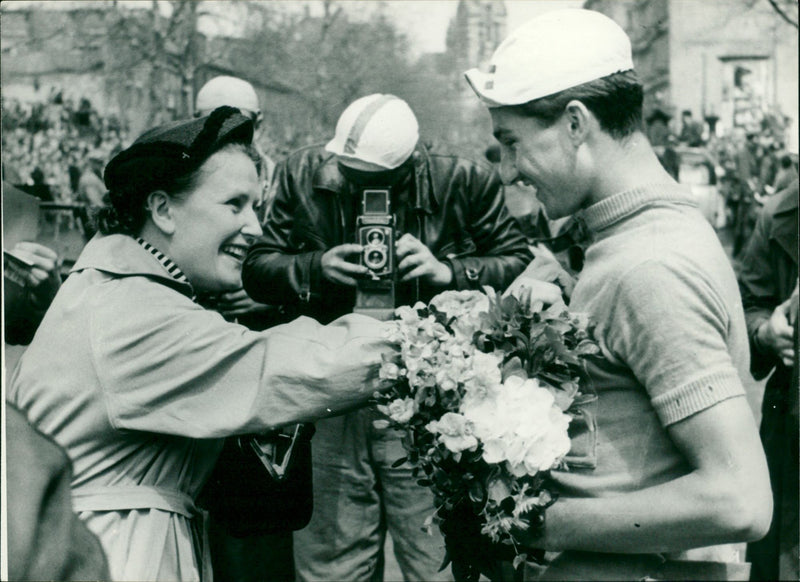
(127, 497)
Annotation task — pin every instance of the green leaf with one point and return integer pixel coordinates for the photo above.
(399, 462)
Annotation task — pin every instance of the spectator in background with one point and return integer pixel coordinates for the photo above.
(769, 283)
(691, 130)
(658, 127)
(663, 142)
(787, 173)
(453, 232)
(91, 188)
(238, 93)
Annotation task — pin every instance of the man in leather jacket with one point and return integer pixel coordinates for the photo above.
(453, 232)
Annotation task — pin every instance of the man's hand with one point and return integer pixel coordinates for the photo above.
(42, 277)
(416, 261)
(235, 303)
(775, 334)
(529, 291)
(337, 269)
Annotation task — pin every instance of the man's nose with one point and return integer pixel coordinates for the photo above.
(508, 170)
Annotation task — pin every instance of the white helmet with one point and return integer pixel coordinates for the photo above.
(230, 91)
(377, 132)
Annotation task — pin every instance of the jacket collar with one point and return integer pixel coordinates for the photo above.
(122, 256)
(327, 177)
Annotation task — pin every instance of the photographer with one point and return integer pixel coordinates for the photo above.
(442, 224)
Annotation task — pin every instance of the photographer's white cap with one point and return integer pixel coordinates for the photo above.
(550, 53)
(375, 133)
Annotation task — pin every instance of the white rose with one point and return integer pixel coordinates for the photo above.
(399, 410)
(454, 431)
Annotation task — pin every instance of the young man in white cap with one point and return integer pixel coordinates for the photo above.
(672, 461)
(452, 231)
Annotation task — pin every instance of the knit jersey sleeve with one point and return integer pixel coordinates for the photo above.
(670, 326)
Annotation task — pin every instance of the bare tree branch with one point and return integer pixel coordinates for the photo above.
(782, 13)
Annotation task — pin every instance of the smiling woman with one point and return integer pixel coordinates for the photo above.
(139, 383)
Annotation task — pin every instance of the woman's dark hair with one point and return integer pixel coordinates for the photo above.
(170, 158)
(616, 101)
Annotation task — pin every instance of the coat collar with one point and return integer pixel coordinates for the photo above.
(122, 256)
(327, 177)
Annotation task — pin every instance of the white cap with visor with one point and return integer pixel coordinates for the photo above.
(375, 133)
(550, 53)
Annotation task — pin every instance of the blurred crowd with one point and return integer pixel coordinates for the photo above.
(743, 166)
(50, 147)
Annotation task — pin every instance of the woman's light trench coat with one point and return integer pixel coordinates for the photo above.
(139, 384)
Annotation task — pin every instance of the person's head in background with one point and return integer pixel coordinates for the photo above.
(188, 188)
(566, 108)
(232, 92)
(374, 141)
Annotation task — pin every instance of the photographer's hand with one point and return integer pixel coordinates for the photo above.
(337, 269)
(416, 261)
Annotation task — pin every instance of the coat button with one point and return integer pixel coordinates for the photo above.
(472, 274)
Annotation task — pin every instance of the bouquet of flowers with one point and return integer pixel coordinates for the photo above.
(482, 387)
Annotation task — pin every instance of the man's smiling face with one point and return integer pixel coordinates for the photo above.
(539, 156)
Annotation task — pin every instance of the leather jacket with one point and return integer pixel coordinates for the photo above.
(452, 205)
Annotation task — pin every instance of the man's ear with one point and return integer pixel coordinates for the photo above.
(579, 121)
(159, 207)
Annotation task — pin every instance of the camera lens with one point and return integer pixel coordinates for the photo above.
(375, 237)
(375, 259)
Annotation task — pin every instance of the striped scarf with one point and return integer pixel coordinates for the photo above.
(173, 269)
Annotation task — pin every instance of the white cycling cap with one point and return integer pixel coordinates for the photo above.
(376, 132)
(225, 90)
(550, 53)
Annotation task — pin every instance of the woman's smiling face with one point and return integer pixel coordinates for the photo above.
(215, 223)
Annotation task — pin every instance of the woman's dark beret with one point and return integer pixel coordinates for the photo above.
(177, 148)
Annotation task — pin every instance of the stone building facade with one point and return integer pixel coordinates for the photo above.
(735, 60)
